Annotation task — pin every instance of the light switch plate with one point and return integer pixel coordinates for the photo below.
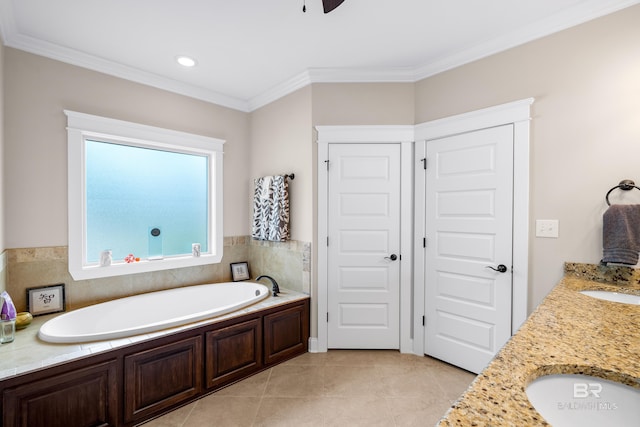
(547, 228)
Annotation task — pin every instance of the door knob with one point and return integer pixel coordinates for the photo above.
(501, 268)
(392, 257)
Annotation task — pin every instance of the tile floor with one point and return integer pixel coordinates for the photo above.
(337, 388)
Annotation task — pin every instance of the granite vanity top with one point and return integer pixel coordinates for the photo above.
(568, 333)
(28, 353)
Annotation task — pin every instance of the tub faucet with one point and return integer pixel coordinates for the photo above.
(275, 287)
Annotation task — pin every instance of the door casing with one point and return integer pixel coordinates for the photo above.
(413, 141)
(402, 135)
(518, 114)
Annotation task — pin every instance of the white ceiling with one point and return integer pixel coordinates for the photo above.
(251, 52)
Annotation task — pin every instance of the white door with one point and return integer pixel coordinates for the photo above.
(469, 205)
(363, 259)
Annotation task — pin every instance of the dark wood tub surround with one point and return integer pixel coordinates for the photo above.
(129, 385)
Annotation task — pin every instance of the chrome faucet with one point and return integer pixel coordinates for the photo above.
(275, 286)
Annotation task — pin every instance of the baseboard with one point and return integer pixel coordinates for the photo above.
(313, 345)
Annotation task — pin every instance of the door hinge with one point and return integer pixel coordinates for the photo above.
(424, 242)
(423, 320)
(327, 163)
(327, 317)
(424, 163)
(327, 240)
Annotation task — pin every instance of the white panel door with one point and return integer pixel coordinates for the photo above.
(469, 205)
(364, 239)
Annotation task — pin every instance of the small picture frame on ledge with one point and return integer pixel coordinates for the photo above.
(45, 299)
(240, 271)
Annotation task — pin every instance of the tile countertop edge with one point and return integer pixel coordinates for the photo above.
(567, 333)
(27, 353)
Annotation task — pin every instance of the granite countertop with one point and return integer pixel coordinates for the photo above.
(568, 333)
(28, 353)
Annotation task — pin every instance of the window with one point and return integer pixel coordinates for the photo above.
(135, 189)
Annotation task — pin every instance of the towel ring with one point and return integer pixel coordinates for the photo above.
(625, 184)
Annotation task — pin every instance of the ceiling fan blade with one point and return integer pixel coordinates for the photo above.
(329, 5)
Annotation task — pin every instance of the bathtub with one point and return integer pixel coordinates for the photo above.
(151, 312)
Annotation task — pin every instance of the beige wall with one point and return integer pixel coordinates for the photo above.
(281, 143)
(2, 178)
(3, 270)
(363, 104)
(585, 131)
(585, 138)
(280, 135)
(37, 90)
(283, 140)
(40, 89)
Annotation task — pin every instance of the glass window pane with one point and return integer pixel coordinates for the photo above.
(131, 191)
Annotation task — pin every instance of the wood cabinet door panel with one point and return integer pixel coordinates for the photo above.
(233, 352)
(158, 378)
(85, 397)
(286, 333)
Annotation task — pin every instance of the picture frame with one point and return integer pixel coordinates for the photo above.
(46, 299)
(240, 271)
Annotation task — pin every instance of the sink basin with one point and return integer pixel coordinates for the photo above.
(614, 296)
(582, 400)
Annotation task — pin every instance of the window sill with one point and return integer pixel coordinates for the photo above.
(143, 266)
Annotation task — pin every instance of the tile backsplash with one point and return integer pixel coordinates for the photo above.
(287, 262)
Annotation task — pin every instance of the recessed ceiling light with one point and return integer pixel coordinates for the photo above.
(186, 61)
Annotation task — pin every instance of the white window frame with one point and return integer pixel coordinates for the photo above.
(81, 127)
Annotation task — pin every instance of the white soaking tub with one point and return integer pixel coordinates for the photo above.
(151, 312)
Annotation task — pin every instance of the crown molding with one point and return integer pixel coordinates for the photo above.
(7, 21)
(280, 90)
(362, 75)
(571, 17)
(581, 13)
(331, 75)
(80, 59)
(12, 38)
